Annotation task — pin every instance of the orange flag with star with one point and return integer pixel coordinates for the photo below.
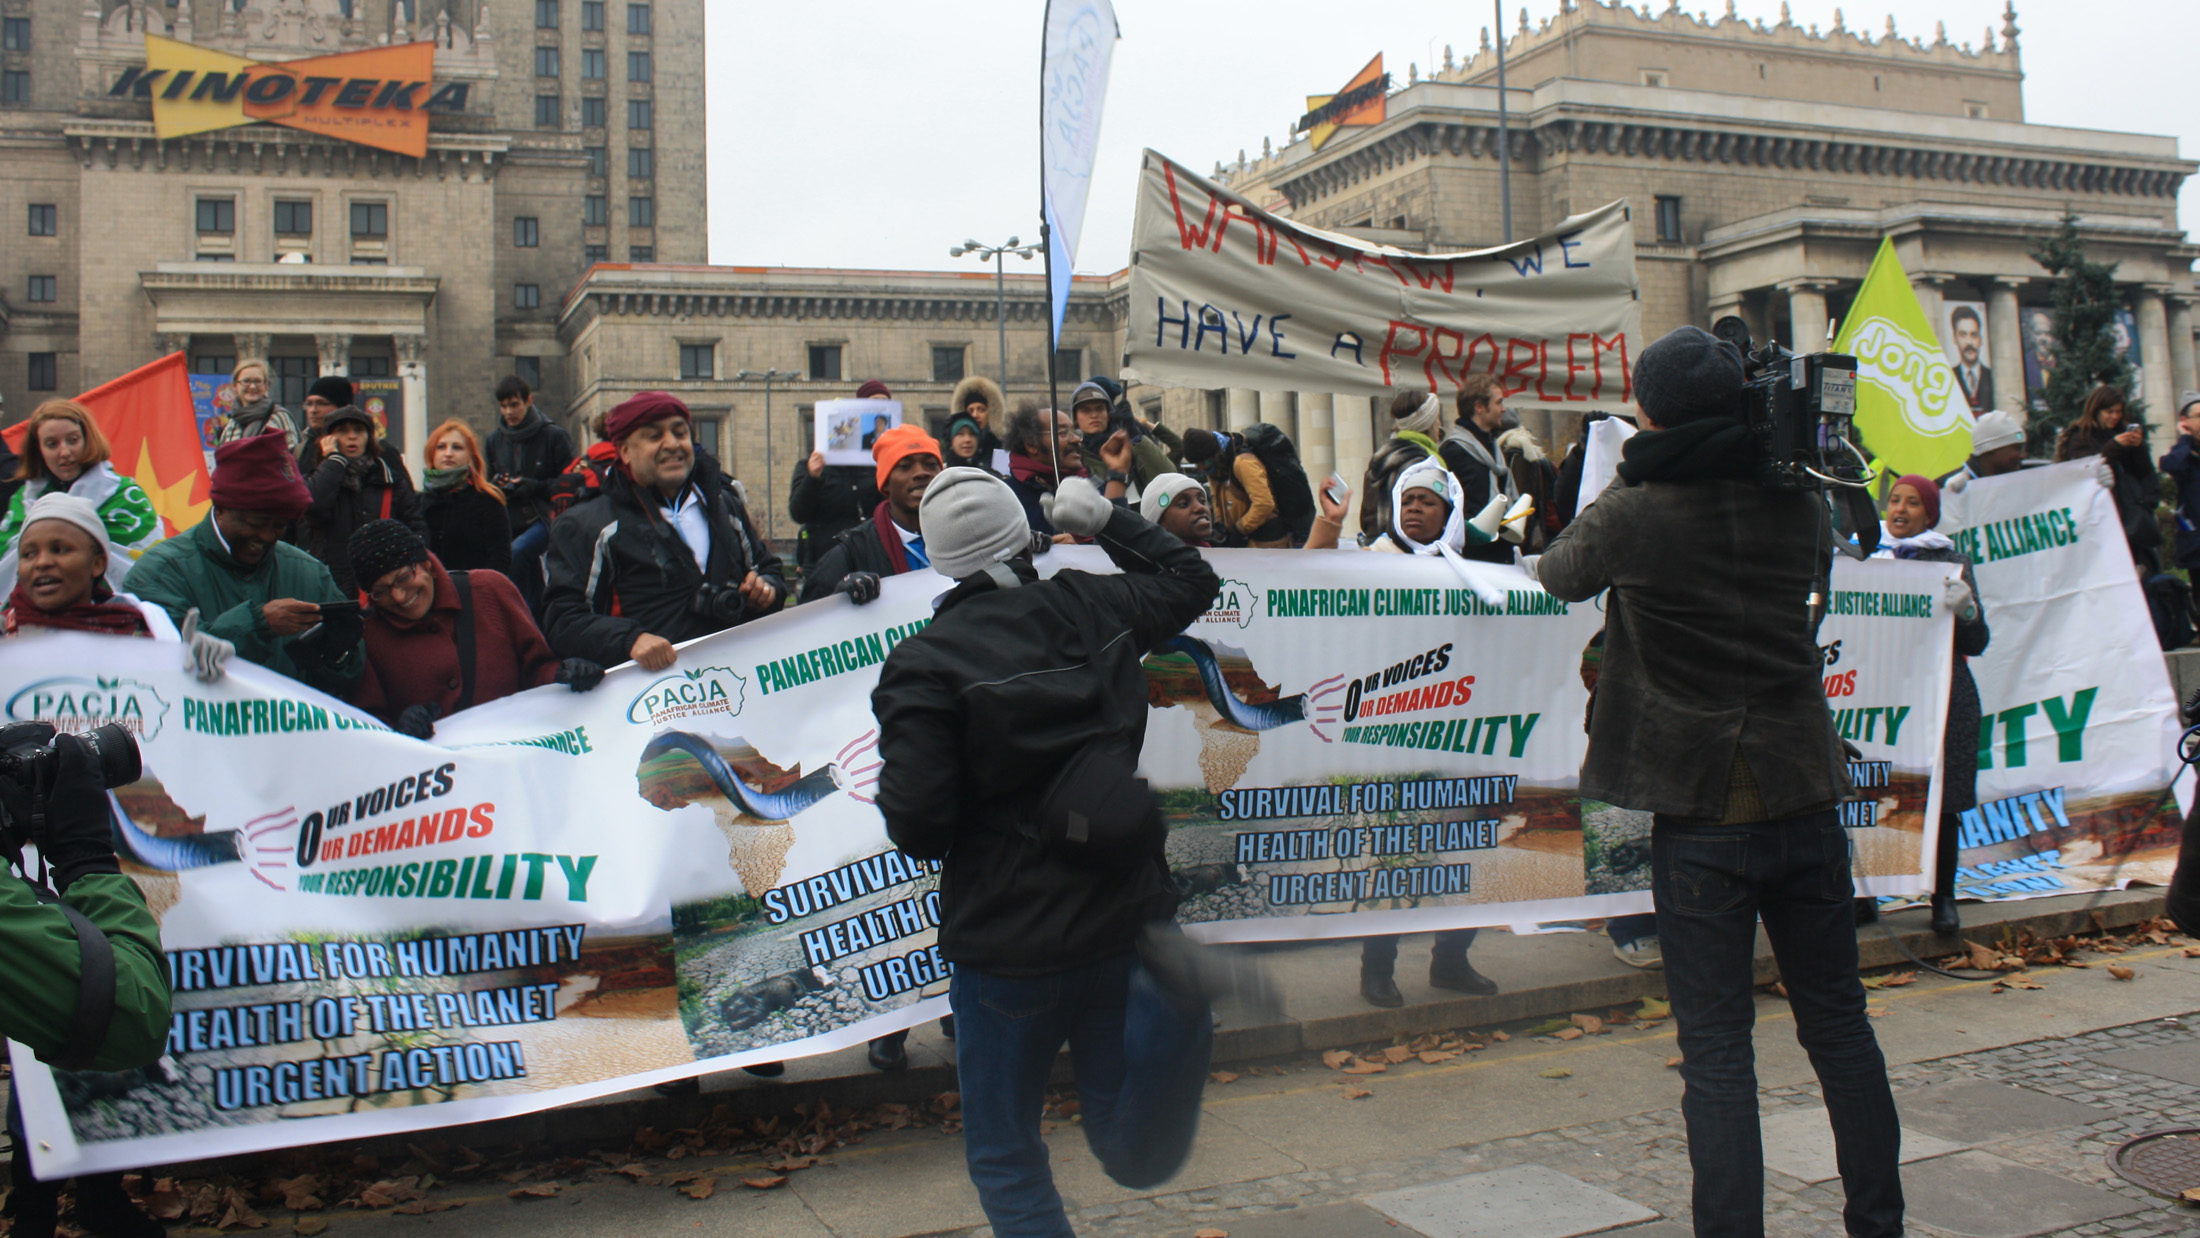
(152, 438)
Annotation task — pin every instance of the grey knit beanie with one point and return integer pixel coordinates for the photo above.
(1688, 375)
(971, 520)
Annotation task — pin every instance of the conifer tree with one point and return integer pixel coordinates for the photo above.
(2085, 300)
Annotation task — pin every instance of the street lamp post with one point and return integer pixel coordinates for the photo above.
(997, 253)
(770, 478)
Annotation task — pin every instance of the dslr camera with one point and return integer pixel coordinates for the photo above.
(29, 762)
(1802, 412)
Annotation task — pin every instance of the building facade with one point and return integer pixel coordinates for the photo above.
(546, 150)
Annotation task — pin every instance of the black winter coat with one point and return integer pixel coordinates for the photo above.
(859, 549)
(533, 455)
(1482, 475)
(467, 529)
(828, 504)
(2135, 489)
(344, 500)
(979, 710)
(618, 569)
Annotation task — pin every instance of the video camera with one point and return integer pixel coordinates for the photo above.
(28, 760)
(1801, 410)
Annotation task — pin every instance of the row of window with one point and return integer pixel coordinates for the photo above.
(595, 112)
(641, 162)
(596, 211)
(593, 64)
(949, 361)
(547, 16)
(292, 218)
(15, 34)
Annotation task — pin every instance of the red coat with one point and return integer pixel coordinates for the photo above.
(416, 663)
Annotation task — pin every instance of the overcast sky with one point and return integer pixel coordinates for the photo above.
(879, 133)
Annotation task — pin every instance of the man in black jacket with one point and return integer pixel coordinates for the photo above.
(666, 553)
(891, 541)
(977, 713)
(830, 499)
(523, 456)
(1711, 713)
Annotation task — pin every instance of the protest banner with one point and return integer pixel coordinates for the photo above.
(1225, 294)
(2078, 740)
(563, 896)
(1073, 84)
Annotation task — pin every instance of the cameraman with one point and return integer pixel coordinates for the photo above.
(40, 999)
(664, 554)
(1710, 713)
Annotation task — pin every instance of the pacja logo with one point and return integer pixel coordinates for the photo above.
(689, 694)
(80, 703)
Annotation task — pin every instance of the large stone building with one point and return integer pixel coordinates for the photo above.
(325, 255)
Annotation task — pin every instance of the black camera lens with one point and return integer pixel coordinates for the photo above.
(117, 755)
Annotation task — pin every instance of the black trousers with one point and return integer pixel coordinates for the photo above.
(1380, 954)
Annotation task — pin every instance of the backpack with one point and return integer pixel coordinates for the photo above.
(1287, 483)
(2170, 601)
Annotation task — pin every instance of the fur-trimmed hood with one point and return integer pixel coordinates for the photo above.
(1521, 440)
(981, 387)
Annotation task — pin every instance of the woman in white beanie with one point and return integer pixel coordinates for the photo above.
(62, 587)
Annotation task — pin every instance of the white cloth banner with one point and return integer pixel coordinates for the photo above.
(1225, 294)
(564, 896)
(1073, 84)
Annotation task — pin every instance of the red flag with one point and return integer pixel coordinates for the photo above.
(153, 438)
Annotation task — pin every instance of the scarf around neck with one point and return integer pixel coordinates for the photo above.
(1702, 450)
(529, 426)
(445, 479)
(1040, 472)
(1893, 547)
(109, 614)
(1418, 438)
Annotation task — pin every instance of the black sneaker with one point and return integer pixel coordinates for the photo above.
(104, 1209)
(767, 1070)
(890, 1052)
(1380, 989)
(1459, 976)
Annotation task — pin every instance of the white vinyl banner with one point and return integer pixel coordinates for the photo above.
(1225, 294)
(2078, 737)
(1073, 83)
(563, 896)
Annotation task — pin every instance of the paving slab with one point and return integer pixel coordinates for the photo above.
(1657, 1229)
(1979, 1195)
(1973, 1111)
(1799, 1143)
(1349, 1220)
(1525, 1201)
(2179, 1062)
(931, 1188)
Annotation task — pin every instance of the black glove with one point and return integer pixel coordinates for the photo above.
(333, 641)
(78, 835)
(525, 488)
(580, 674)
(418, 721)
(1041, 542)
(861, 587)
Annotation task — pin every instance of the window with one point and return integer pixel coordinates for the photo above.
(370, 219)
(546, 14)
(525, 231)
(696, 360)
(708, 436)
(292, 375)
(370, 367)
(526, 296)
(17, 36)
(592, 114)
(217, 214)
(947, 363)
(641, 212)
(369, 260)
(529, 371)
(44, 374)
(638, 113)
(1653, 77)
(594, 212)
(599, 161)
(593, 254)
(546, 62)
(637, 66)
(1669, 220)
(1069, 365)
(217, 257)
(45, 221)
(1974, 109)
(15, 86)
(45, 288)
(637, 19)
(641, 253)
(293, 218)
(592, 16)
(825, 363)
(546, 111)
(213, 363)
(592, 69)
(641, 163)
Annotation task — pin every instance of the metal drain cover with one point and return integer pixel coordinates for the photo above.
(2166, 1162)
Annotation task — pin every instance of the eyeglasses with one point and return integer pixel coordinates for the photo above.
(404, 587)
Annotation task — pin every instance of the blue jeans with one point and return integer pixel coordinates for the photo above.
(1712, 883)
(1140, 1063)
(528, 551)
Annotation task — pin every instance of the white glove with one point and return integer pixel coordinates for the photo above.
(1955, 484)
(1077, 507)
(1528, 564)
(2104, 473)
(1957, 596)
(1490, 518)
(1516, 518)
(205, 656)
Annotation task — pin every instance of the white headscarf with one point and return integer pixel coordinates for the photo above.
(1431, 475)
(1423, 419)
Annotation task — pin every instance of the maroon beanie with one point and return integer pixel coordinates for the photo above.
(259, 474)
(1926, 491)
(639, 410)
(874, 388)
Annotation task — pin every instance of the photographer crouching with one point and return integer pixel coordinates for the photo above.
(82, 983)
(1710, 713)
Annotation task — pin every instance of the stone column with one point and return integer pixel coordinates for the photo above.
(1275, 409)
(174, 342)
(2005, 343)
(1352, 430)
(335, 350)
(1932, 297)
(251, 347)
(2158, 388)
(412, 379)
(1317, 434)
(1240, 407)
(2184, 365)
(1806, 313)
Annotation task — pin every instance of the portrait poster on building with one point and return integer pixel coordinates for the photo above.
(1963, 336)
(2038, 323)
(383, 398)
(845, 429)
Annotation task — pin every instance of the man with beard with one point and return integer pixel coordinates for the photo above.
(890, 542)
(666, 552)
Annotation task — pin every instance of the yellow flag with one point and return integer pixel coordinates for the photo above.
(1909, 410)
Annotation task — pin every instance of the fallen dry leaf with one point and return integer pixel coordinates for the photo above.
(2191, 1195)
(1555, 1072)
(703, 1188)
(1357, 1093)
(1366, 1068)
(1652, 1008)
(307, 1227)
(1875, 1014)
(1433, 1056)
(1210, 1232)
(1672, 1063)
(539, 1190)
(1589, 1024)
(2120, 972)
(1223, 1076)
(1501, 1036)
(1777, 989)
(789, 1164)
(632, 1171)
(1396, 1054)
(1898, 979)
(1570, 1033)
(764, 1184)
(1337, 1059)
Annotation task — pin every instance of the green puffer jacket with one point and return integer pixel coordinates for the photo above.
(38, 984)
(195, 569)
